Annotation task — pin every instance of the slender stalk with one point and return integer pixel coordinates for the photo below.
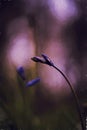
(74, 95)
(46, 60)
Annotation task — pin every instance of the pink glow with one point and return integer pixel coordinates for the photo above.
(21, 43)
(21, 50)
(64, 10)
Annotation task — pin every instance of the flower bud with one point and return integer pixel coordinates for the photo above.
(21, 72)
(32, 82)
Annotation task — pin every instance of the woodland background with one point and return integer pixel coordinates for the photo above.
(29, 28)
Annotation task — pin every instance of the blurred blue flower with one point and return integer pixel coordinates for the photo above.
(32, 82)
(21, 72)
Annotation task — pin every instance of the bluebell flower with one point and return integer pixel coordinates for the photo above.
(32, 82)
(21, 72)
(38, 59)
(44, 60)
(47, 60)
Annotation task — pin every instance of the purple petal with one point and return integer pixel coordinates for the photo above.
(38, 59)
(32, 82)
(21, 72)
(47, 60)
(44, 56)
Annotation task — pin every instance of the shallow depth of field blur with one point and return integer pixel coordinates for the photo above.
(28, 28)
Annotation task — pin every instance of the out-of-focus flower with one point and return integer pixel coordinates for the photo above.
(44, 60)
(32, 82)
(21, 72)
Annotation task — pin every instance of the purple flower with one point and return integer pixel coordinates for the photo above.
(38, 59)
(44, 60)
(32, 82)
(47, 60)
(21, 72)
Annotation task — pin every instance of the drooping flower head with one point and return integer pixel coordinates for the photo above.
(38, 59)
(47, 60)
(44, 60)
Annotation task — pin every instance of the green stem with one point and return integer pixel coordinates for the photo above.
(74, 95)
